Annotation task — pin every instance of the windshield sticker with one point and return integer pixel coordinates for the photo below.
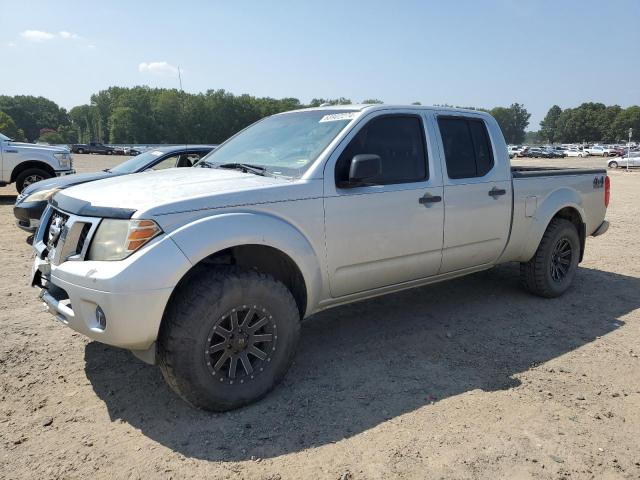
(336, 117)
(156, 153)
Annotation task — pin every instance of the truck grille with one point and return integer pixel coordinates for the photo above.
(55, 226)
(64, 237)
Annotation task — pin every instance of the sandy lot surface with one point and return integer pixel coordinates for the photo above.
(473, 378)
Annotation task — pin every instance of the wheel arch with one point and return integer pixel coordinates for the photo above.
(260, 241)
(22, 166)
(563, 203)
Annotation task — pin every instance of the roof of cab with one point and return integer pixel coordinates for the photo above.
(176, 148)
(383, 106)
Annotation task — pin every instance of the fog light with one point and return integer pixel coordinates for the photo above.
(101, 318)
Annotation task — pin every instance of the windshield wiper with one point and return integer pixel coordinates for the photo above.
(204, 164)
(246, 168)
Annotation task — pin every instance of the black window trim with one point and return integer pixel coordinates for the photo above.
(366, 122)
(468, 118)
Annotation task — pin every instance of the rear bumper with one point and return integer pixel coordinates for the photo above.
(604, 226)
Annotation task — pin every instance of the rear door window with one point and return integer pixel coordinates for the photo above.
(467, 147)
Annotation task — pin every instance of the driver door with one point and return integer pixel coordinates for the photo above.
(385, 233)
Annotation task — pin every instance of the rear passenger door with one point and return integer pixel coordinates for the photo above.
(477, 194)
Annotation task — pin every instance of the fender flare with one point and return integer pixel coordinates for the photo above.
(551, 205)
(207, 236)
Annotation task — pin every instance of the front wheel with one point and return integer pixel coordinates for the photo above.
(228, 337)
(551, 270)
(613, 164)
(29, 177)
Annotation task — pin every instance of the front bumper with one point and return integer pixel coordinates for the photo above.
(132, 292)
(62, 173)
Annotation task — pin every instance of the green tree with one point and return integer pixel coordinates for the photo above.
(316, 102)
(31, 114)
(532, 138)
(53, 138)
(626, 119)
(372, 101)
(85, 120)
(9, 128)
(122, 126)
(513, 122)
(548, 126)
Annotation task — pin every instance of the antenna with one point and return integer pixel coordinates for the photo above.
(182, 103)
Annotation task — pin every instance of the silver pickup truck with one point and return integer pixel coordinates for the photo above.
(208, 271)
(27, 163)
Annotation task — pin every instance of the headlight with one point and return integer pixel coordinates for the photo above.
(41, 195)
(63, 158)
(117, 239)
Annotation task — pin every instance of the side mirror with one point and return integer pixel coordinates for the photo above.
(364, 167)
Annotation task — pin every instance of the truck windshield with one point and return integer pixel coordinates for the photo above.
(136, 163)
(285, 144)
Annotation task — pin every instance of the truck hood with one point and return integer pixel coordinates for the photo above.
(33, 146)
(171, 190)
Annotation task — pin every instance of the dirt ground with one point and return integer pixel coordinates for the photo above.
(473, 378)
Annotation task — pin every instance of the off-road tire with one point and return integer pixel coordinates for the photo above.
(185, 335)
(21, 180)
(536, 274)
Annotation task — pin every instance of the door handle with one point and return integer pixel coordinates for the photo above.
(427, 199)
(496, 192)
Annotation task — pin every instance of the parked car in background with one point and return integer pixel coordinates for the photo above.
(27, 163)
(538, 152)
(632, 160)
(600, 151)
(515, 150)
(208, 272)
(32, 201)
(618, 150)
(576, 152)
(133, 151)
(92, 147)
(556, 152)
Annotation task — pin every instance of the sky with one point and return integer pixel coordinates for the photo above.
(481, 53)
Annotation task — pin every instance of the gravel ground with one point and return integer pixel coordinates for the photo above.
(472, 378)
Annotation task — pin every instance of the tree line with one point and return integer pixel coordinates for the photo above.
(144, 115)
(590, 122)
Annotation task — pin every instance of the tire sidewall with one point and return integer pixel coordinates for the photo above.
(27, 173)
(566, 231)
(248, 289)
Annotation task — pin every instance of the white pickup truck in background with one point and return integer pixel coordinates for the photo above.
(27, 163)
(208, 271)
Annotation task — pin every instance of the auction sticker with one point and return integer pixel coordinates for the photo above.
(336, 117)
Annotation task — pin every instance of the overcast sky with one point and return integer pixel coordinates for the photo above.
(468, 53)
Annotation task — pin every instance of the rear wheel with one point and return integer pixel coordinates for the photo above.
(228, 337)
(551, 270)
(29, 177)
(81, 150)
(613, 164)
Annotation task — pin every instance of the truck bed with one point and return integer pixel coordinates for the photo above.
(527, 172)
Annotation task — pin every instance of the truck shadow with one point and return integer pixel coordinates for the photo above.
(363, 364)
